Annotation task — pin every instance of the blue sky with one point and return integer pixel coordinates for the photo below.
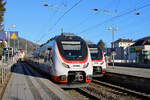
(35, 22)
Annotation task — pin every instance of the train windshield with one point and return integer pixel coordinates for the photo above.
(96, 53)
(73, 49)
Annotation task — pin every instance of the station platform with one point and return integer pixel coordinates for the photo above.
(128, 70)
(25, 86)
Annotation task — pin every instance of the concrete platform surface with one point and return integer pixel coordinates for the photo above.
(25, 86)
(139, 72)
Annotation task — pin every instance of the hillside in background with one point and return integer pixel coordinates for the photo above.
(22, 44)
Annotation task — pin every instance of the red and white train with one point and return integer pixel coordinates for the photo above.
(66, 58)
(98, 60)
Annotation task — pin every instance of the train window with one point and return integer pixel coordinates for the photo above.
(70, 42)
(96, 53)
(71, 47)
(94, 50)
(73, 50)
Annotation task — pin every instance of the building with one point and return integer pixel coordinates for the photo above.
(120, 48)
(140, 51)
(123, 43)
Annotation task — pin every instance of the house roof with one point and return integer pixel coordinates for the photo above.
(142, 41)
(123, 40)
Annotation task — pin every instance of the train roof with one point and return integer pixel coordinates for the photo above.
(68, 36)
(92, 45)
(63, 36)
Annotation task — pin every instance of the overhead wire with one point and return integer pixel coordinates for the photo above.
(117, 6)
(144, 21)
(113, 18)
(126, 9)
(133, 21)
(43, 27)
(97, 13)
(83, 21)
(59, 19)
(90, 16)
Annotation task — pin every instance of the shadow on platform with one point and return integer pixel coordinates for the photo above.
(14, 98)
(22, 68)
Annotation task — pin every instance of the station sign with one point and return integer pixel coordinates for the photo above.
(13, 35)
(132, 50)
(4, 35)
(138, 49)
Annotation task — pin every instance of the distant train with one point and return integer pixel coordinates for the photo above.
(98, 60)
(67, 58)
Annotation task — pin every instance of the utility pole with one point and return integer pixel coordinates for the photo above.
(8, 44)
(18, 43)
(26, 47)
(113, 29)
(62, 31)
(8, 35)
(14, 45)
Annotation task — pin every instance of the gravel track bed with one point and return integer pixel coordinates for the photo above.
(131, 82)
(108, 93)
(76, 94)
(100, 93)
(82, 94)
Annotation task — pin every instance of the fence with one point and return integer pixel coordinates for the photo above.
(5, 70)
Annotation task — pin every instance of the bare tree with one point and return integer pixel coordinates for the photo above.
(2, 11)
(102, 44)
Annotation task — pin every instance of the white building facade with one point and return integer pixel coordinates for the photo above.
(141, 54)
(121, 48)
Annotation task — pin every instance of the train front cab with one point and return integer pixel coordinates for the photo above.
(72, 62)
(98, 60)
(99, 67)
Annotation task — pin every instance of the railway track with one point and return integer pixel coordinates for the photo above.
(122, 91)
(139, 84)
(106, 89)
(99, 89)
(82, 94)
(96, 91)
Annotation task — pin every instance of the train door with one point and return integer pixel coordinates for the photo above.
(50, 56)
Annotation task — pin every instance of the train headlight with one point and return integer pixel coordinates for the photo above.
(65, 65)
(85, 65)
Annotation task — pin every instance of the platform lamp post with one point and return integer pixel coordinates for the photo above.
(18, 42)
(8, 35)
(113, 29)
